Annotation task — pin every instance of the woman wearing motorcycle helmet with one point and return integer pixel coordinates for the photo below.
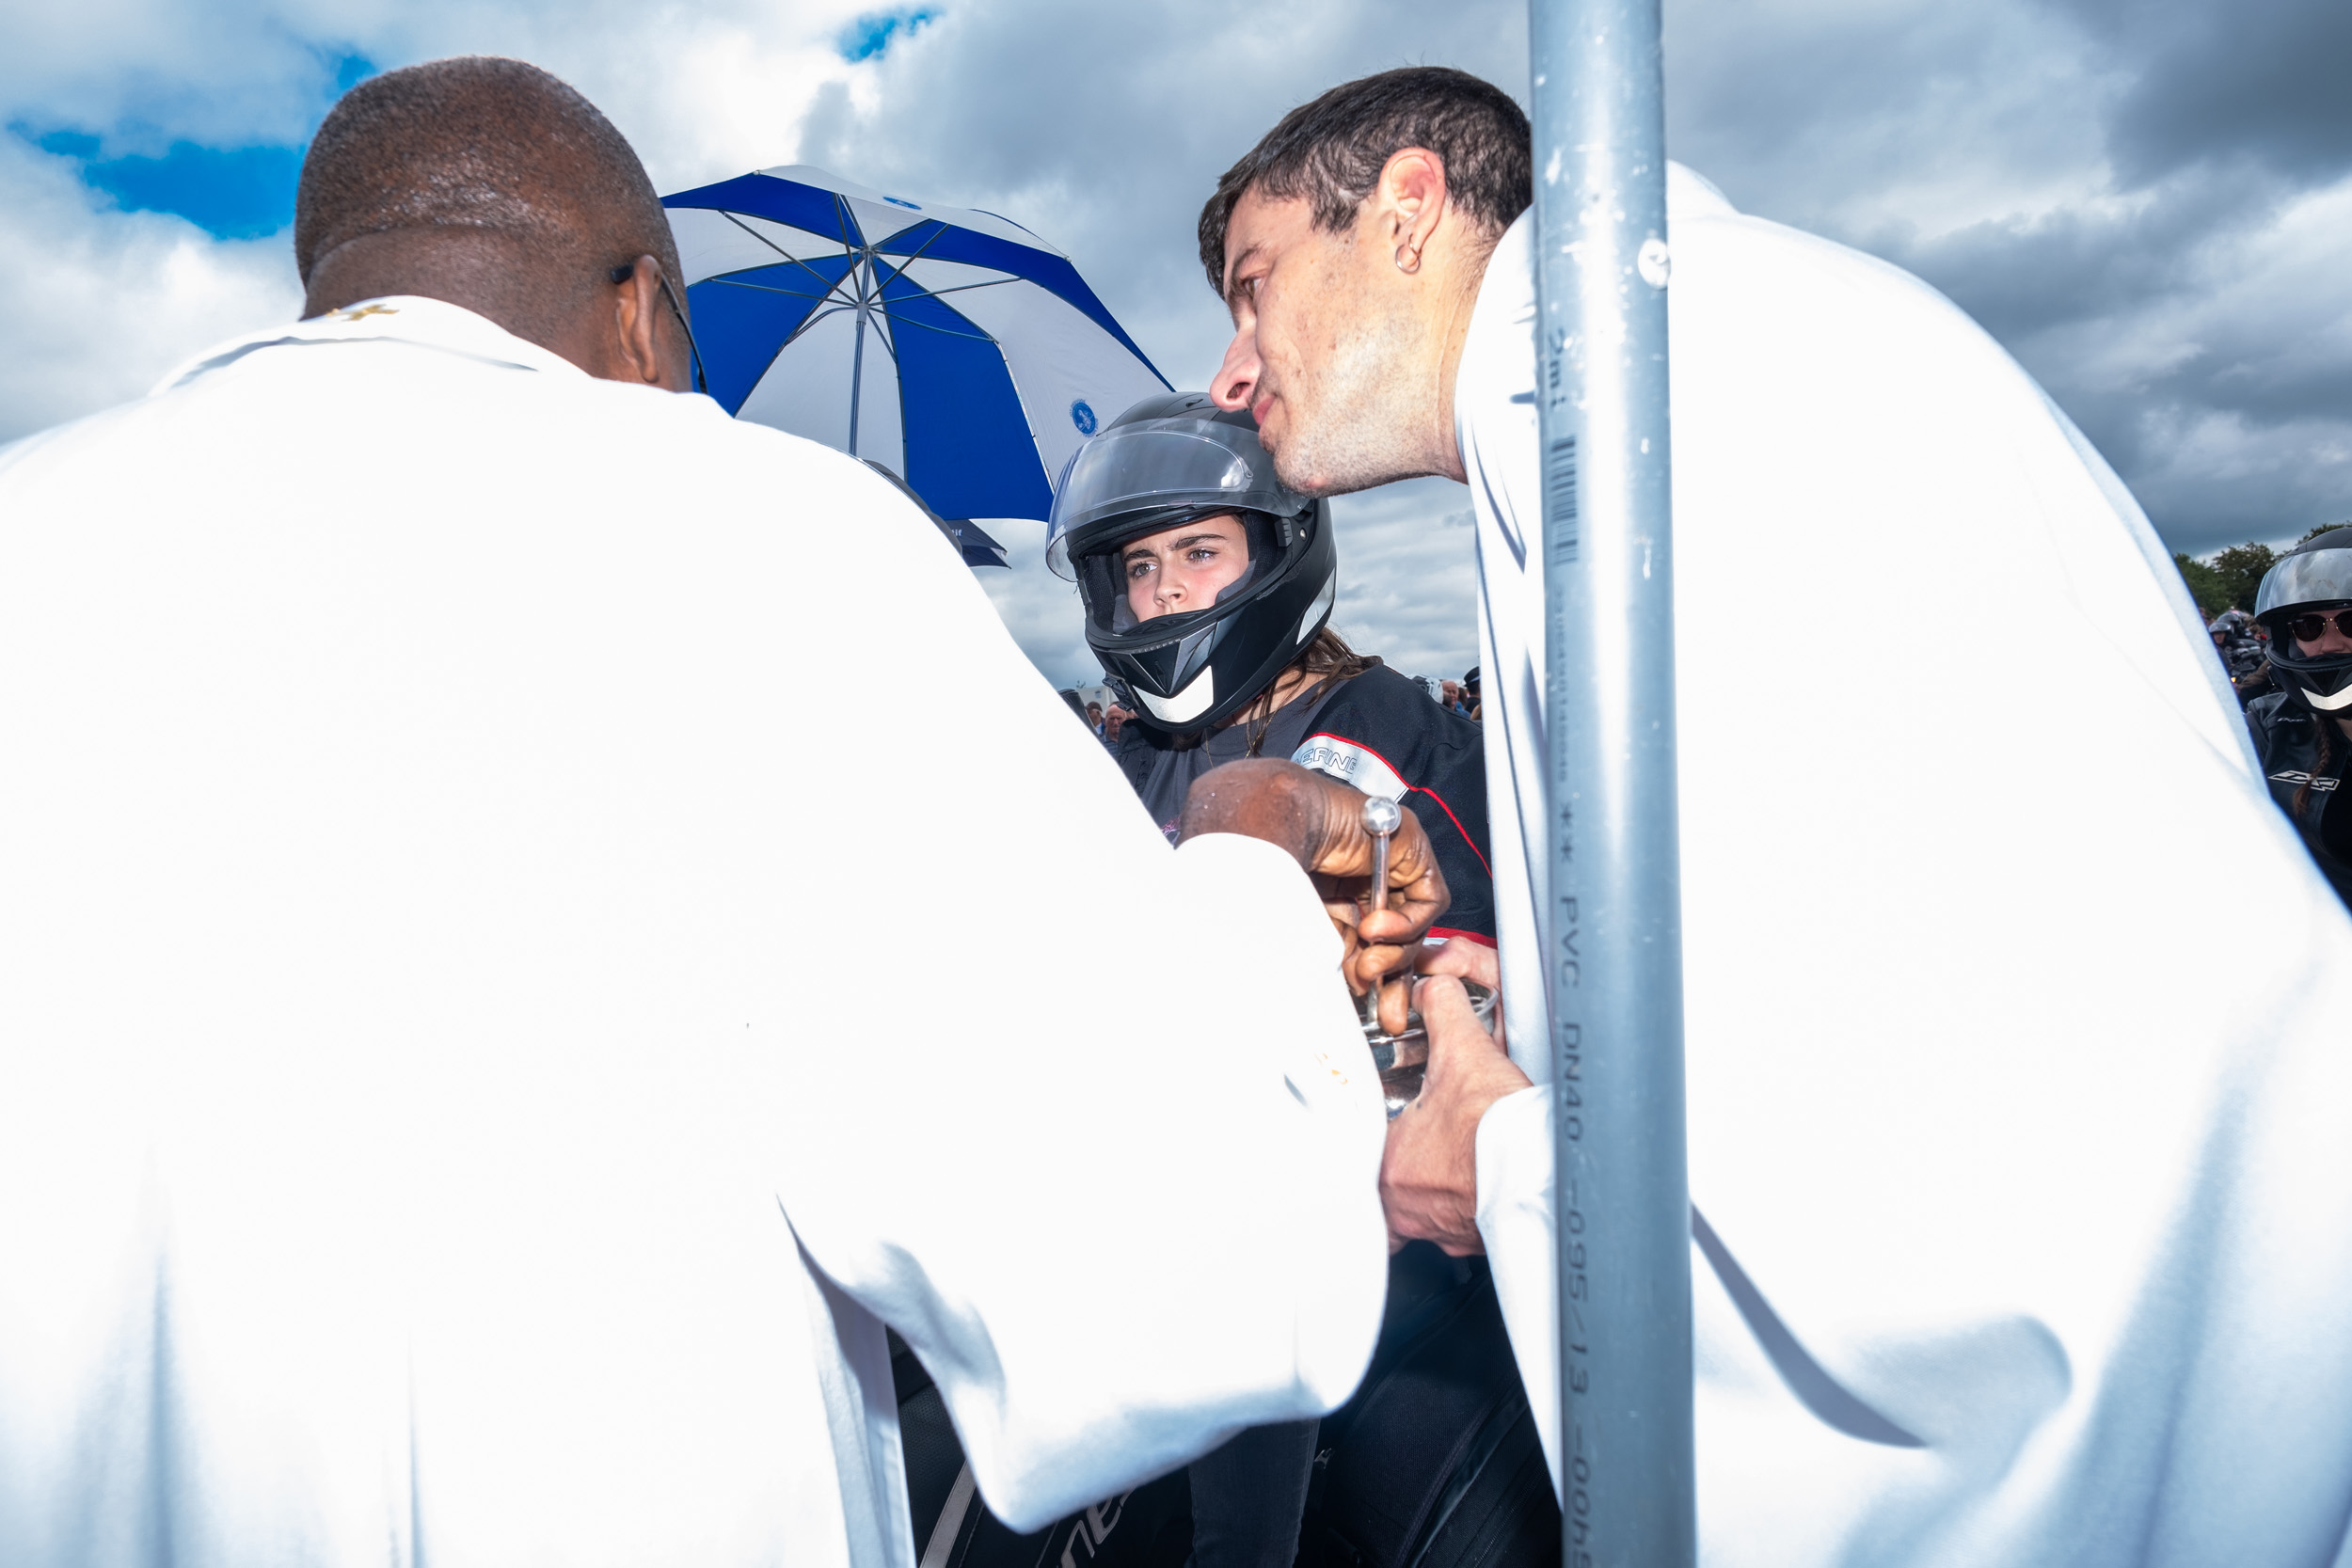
(2303, 731)
(1207, 587)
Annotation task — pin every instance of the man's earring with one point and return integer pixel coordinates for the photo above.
(1404, 265)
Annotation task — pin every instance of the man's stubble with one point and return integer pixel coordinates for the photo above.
(1355, 426)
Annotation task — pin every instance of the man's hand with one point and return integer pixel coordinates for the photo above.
(1465, 959)
(1429, 1171)
(1320, 822)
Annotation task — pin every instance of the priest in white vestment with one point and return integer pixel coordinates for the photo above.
(2022, 1202)
(480, 1058)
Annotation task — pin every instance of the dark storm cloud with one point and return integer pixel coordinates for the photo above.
(2188, 329)
(2023, 275)
(2169, 311)
(2258, 80)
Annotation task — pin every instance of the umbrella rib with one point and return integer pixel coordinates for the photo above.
(809, 320)
(947, 331)
(832, 291)
(938, 232)
(920, 292)
(897, 321)
(918, 253)
(938, 229)
(768, 288)
(778, 250)
(959, 288)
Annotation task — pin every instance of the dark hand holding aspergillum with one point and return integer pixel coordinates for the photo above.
(1320, 822)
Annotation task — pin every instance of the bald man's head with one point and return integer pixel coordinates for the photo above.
(487, 183)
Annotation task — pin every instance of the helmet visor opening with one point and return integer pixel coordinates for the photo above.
(1175, 571)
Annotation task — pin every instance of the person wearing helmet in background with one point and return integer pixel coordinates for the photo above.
(2302, 731)
(2241, 653)
(1207, 588)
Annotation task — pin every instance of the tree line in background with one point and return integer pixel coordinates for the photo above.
(2228, 580)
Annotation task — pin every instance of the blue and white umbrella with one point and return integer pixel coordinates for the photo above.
(955, 348)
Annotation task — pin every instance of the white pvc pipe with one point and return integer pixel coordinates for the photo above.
(1616, 986)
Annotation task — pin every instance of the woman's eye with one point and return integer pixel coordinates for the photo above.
(1139, 569)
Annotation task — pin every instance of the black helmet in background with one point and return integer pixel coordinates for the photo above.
(1175, 459)
(2316, 576)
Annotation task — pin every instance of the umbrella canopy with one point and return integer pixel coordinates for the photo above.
(954, 348)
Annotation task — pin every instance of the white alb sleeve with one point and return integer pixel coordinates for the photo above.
(1515, 1219)
(1132, 1215)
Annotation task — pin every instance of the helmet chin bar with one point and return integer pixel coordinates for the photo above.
(2341, 699)
(1195, 700)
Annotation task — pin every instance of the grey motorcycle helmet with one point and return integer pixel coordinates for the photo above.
(2313, 579)
(1169, 460)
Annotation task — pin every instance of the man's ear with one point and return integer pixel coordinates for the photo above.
(1409, 201)
(637, 311)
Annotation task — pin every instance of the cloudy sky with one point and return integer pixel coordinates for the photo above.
(2150, 204)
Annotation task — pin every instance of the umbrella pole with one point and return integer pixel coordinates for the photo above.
(1614, 908)
(857, 364)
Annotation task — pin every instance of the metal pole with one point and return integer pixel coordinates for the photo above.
(1622, 1195)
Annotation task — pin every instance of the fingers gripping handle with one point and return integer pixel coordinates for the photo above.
(1381, 819)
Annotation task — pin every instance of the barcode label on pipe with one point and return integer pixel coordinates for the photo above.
(1560, 523)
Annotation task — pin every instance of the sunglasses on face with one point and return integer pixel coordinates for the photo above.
(2308, 629)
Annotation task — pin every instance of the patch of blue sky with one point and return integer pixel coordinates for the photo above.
(873, 33)
(233, 193)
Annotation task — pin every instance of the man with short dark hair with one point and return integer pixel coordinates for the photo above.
(475, 1084)
(2021, 1234)
(482, 176)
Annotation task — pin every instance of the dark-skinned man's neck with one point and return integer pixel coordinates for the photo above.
(486, 272)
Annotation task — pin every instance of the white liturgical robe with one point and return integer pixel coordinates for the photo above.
(480, 1058)
(2022, 1193)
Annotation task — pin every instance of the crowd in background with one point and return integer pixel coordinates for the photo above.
(2244, 646)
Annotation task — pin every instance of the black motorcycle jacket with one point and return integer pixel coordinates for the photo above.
(1377, 731)
(2287, 742)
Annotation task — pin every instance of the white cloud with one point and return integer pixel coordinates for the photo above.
(100, 303)
(1409, 588)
